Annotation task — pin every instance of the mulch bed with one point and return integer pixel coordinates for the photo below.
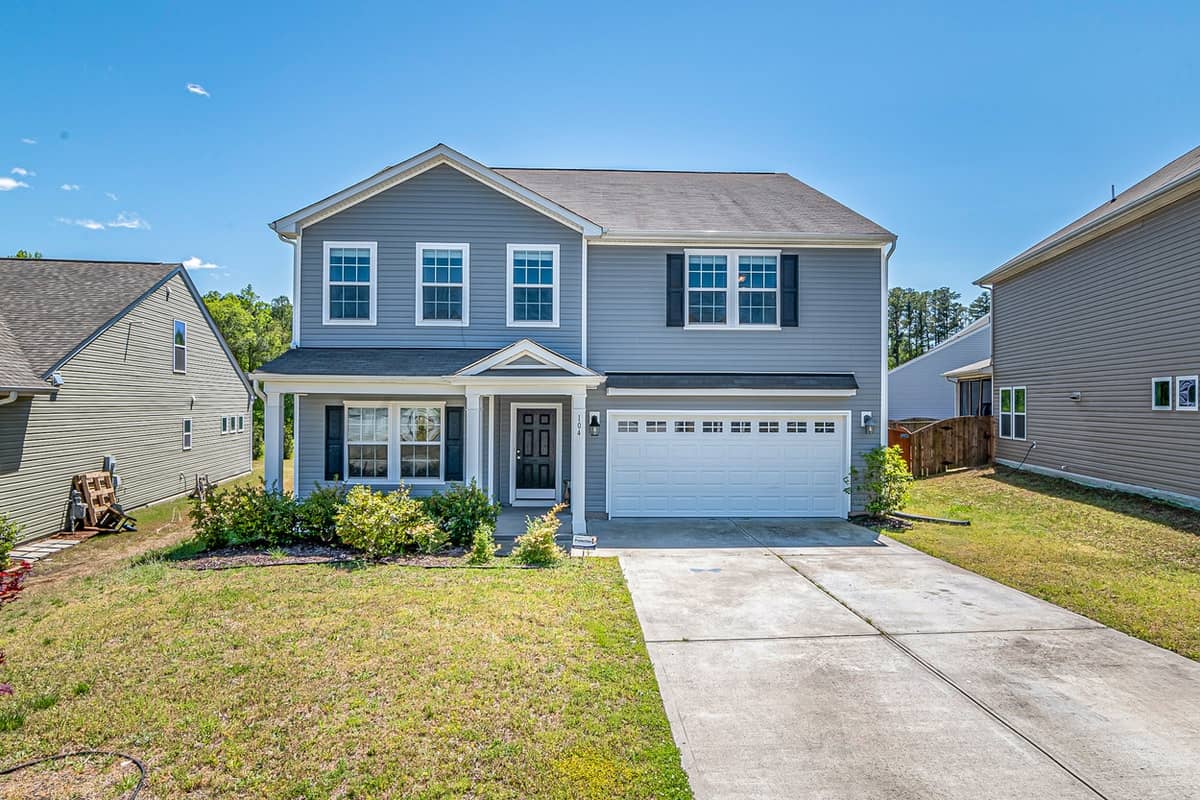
(231, 557)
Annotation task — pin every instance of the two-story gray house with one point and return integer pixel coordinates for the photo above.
(1093, 355)
(641, 343)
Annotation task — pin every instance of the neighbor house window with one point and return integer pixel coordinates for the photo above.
(1160, 394)
(443, 272)
(746, 281)
(975, 398)
(1185, 392)
(241, 423)
(187, 434)
(1012, 412)
(179, 362)
(421, 443)
(350, 281)
(224, 425)
(533, 278)
(367, 442)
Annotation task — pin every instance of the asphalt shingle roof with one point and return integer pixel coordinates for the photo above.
(367, 361)
(49, 307)
(647, 201)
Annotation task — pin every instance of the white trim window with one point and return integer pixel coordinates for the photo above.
(421, 444)
(443, 284)
(241, 423)
(179, 347)
(533, 280)
(732, 289)
(1186, 392)
(187, 433)
(1160, 394)
(1012, 412)
(367, 443)
(349, 281)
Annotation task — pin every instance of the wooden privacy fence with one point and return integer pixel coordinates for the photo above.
(946, 444)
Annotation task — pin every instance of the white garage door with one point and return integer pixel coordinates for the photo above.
(713, 465)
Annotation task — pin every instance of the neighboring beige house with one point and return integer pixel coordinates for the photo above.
(1095, 357)
(111, 359)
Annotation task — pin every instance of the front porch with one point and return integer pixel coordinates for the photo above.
(514, 422)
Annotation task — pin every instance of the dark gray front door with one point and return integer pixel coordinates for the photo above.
(535, 455)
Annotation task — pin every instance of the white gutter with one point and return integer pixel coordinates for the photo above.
(12, 396)
(294, 241)
(883, 420)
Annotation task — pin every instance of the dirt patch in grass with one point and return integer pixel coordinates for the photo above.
(1127, 561)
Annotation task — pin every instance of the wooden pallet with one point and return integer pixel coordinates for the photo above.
(100, 501)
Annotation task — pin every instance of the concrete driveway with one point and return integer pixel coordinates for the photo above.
(806, 659)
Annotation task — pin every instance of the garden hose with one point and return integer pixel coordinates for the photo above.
(136, 762)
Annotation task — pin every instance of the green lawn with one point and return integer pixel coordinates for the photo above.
(318, 681)
(1125, 561)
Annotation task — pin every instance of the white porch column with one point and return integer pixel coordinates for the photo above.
(491, 444)
(579, 435)
(273, 441)
(472, 439)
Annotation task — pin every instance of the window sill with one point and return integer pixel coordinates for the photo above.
(732, 327)
(532, 325)
(359, 322)
(442, 323)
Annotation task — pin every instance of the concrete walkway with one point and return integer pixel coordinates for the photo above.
(809, 659)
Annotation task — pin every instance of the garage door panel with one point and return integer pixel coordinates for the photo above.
(755, 465)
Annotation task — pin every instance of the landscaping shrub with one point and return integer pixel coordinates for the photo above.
(885, 481)
(460, 510)
(483, 545)
(386, 523)
(9, 531)
(245, 515)
(316, 515)
(536, 546)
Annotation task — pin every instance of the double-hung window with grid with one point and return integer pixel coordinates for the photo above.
(443, 284)
(732, 289)
(533, 279)
(350, 283)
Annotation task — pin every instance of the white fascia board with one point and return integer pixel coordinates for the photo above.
(354, 384)
(1160, 198)
(489, 384)
(433, 157)
(731, 393)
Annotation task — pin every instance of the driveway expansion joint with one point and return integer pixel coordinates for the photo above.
(895, 642)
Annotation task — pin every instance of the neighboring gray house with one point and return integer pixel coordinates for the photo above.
(1094, 352)
(111, 359)
(952, 379)
(653, 343)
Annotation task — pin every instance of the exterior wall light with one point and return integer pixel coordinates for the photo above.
(868, 422)
(594, 425)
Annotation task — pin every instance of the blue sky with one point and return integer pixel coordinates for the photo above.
(971, 130)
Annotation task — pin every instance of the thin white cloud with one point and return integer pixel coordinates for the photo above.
(127, 219)
(27, 140)
(24, 173)
(196, 88)
(197, 263)
(8, 184)
(90, 224)
(111, 196)
(70, 187)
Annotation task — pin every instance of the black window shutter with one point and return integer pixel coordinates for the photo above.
(334, 430)
(789, 291)
(674, 290)
(454, 443)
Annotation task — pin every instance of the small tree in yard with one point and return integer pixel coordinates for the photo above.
(536, 547)
(885, 481)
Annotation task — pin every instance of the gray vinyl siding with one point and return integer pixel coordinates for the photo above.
(121, 398)
(441, 205)
(917, 389)
(1104, 319)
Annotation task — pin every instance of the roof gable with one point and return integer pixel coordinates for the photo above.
(523, 356)
(438, 155)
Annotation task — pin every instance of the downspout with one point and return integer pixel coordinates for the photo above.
(295, 243)
(12, 396)
(883, 312)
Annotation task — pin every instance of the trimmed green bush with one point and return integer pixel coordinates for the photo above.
(386, 523)
(316, 514)
(245, 515)
(483, 545)
(536, 547)
(460, 510)
(885, 481)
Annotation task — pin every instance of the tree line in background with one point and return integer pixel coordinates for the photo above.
(919, 320)
(256, 330)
